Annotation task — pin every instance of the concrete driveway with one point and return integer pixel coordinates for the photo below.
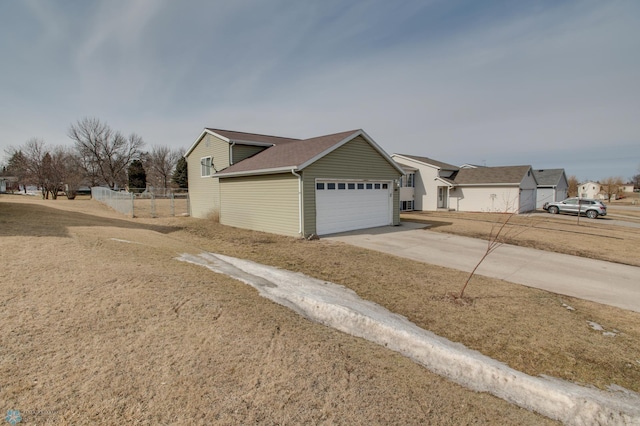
(595, 280)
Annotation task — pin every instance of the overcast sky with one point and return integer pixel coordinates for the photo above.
(553, 84)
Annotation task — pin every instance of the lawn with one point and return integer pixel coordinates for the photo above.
(102, 325)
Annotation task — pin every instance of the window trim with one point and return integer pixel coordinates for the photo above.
(203, 165)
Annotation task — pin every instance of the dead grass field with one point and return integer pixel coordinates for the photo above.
(100, 330)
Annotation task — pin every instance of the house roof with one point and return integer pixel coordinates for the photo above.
(285, 154)
(548, 177)
(429, 161)
(507, 175)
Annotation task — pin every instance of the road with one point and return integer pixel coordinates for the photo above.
(603, 282)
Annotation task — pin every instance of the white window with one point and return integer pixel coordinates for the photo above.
(205, 166)
(407, 181)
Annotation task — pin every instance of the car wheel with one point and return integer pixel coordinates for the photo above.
(592, 214)
(553, 210)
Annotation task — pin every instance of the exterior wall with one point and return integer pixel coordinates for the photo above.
(426, 186)
(268, 203)
(204, 194)
(354, 160)
(528, 191)
(240, 152)
(503, 199)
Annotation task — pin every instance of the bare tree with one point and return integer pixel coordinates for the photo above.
(611, 187)
(159, 164)
(104, 153)
(572, 190)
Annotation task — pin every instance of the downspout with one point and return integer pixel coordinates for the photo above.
(300, 202)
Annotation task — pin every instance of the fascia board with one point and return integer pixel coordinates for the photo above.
(256, 172)
(422, 163)
(199, 138)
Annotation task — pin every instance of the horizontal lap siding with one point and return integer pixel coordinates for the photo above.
(354, 160)
(240, 152)
(266, 203)
(204, 195)
(478, 199)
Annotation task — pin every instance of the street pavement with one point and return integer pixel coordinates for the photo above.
(603, 282)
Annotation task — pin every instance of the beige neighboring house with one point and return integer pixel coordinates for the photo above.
(506, 189)
(590, 190)
(295, 187)
(426, 184)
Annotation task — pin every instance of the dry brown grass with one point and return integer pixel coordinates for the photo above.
(97, 330)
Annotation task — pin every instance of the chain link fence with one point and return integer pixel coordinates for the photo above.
(147, 202)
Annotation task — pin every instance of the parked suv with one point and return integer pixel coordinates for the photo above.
(591, 208)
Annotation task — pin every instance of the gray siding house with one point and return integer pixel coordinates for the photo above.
(552, 186)
(297, 187)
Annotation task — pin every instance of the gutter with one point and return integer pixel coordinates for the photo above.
(300, 203)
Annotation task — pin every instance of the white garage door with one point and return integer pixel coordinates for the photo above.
(348, 205)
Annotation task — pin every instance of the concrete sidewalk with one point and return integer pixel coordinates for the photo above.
(603, 282)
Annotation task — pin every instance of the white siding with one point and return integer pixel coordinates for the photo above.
(485, 199)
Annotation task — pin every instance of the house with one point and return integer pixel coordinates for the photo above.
(590, 190)
(296, 187)
(552, 186)
(628, 187)
(507, 189)
(426, 184)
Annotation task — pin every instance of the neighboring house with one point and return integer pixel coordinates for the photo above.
(426, 184)
(8, 183)
(508, 189)
(296, 187)
(552, 186)
(590, 190)
(627, 187)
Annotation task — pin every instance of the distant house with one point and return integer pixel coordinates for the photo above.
(590, 190)
(8, 183)
(296, 187)
(430, 185)
(627, 187)
(552, 186)
(507, 189)
(426, 183)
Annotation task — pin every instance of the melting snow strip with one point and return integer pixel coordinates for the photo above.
(338, 307)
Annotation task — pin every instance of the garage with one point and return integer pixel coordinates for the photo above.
(527, 200)
(354, 204)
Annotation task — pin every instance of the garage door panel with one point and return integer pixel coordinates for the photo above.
(339, 210)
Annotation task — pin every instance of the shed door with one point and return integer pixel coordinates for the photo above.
(348, 205)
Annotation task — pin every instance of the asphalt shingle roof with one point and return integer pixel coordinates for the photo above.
(548, 177)
(285, 152)
(491, 175)
(427, 160)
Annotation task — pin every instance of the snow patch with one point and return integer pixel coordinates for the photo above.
(338, 307)
(124, 241)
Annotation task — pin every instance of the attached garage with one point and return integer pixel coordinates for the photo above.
(349, 205)
(297, 187)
